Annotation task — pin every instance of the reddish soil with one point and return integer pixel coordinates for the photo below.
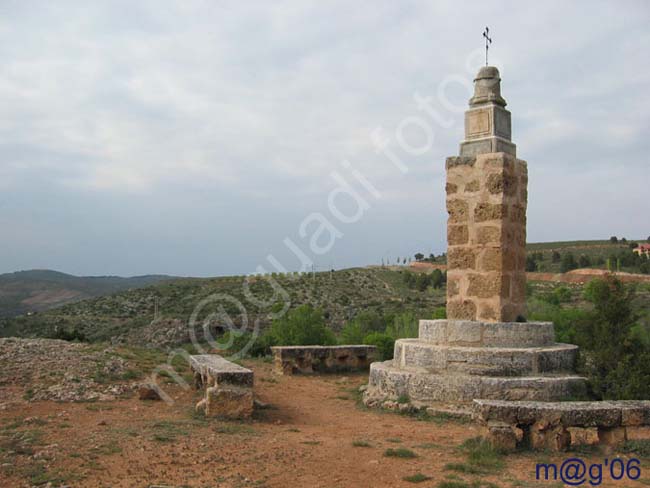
(305, 439)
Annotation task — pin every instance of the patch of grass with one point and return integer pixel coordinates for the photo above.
(342, 397)
(481, 455)
(640, 447)
(400, 452)
(453, 484)
(234, 428)
(29, 394)
(99, 408)
(464, 468)
(293, 429)
(417, 478)
(361, 444)
(403, 399)
(107, 449)
(395, 440)
(311, 443)
(428, 445)
(168, 431)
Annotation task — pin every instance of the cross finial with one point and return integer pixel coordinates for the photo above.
(488, 41)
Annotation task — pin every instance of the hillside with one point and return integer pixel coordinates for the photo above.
(38, 290)
(129, 316)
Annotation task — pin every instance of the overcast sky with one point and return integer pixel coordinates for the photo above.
(194, 137)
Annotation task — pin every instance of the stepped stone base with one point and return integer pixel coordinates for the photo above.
(387, 381)
(455, 362)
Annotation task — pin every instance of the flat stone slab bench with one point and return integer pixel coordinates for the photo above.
(557, 425)
(228, 387)
(290, 360)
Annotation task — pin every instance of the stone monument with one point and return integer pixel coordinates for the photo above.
(485, 349)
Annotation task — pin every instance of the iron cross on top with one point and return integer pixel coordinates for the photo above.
(488, 41)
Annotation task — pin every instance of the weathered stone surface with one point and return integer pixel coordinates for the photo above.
(581, 436)
(550, 437)
(323, 359)
(490, 211)
(605, 415)
(213, 369)
(461, 309)
(484, 361)
(461, 258)
(457, 234)
(502, 436)
(228, 386)
(614, 436)
(388, 381)
(488, 334)
(231, 402)
(472, 186)
(458, 211)
(451, 188)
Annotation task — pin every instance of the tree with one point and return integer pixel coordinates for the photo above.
(437, 278)
(531, 264)
(419, 256)
(568, 263)
(584, 261)
(613, 239)
(556, 257)
(617, 350)
(623, 240)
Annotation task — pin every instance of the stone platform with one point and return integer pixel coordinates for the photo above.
(456, 361)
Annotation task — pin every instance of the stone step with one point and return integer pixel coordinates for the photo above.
(486, 334)
(388, 381)
(485, 361)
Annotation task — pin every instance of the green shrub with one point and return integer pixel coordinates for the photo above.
(404, 326)
(385, 344)
(303, 326)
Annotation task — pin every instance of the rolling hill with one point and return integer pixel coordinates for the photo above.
(38, 290)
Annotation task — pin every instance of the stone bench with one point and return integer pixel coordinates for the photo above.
(228, 387)
(557, 425)
(322, 359)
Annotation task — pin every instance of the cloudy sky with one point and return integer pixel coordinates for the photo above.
(199, 137)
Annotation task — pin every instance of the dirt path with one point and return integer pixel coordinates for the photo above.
(306, 439)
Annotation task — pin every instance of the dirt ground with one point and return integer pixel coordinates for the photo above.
(313, 435)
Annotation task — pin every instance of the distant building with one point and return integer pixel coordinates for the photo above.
(642, 249)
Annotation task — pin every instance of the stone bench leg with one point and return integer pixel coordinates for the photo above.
(613, 437)
(554, 437)
(503, 437)
(229, 401)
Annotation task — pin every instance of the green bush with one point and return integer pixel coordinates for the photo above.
(404, 325)
(615, 345)
(302, 326)
(364, 323)
(385, 344)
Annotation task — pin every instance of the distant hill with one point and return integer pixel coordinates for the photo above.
(37, 290)
(158, 315)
